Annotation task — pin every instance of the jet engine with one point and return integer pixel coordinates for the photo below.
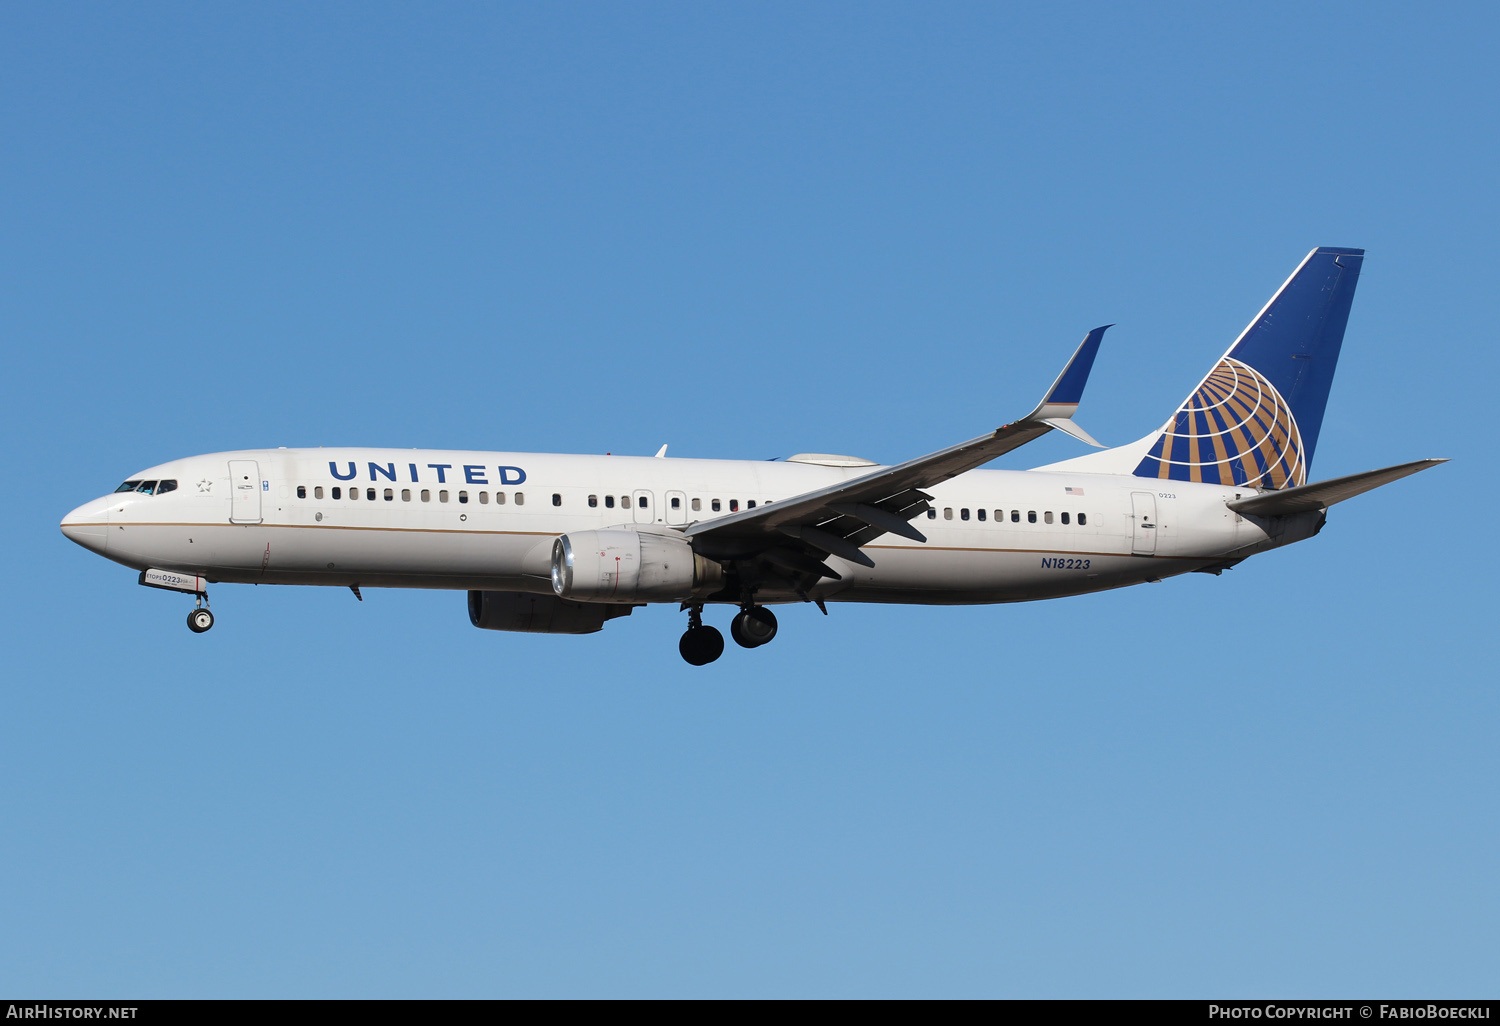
(631, 566)
(538, 614)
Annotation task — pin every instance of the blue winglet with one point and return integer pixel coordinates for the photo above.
(1067, 390)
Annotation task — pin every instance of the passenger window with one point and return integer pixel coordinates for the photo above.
(426, 495)
(593, 501)
(963, 514)
(1031, 516)
(979, 513)
(1015, 516)
(676, 502)
(697, 505)
(609, 502)
(557, 499)
(443, 495)
(147, 486)
(999, 516)
(1065, 518)
(463, 496)
(750, 504)
(370, 494)
(318, 492)
(947, 512)
(715, 505)
(1047, 516)
(389, 495)
(166, 486)
(338, 492)
(932, 514)
(1083, 518)
(353, 493)
(734, 505)
(128, 486)
(499, 498)
(302, 491)
(406, 495)
(484, 498)
(520, 498)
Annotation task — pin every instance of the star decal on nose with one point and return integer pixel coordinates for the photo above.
(205, 485)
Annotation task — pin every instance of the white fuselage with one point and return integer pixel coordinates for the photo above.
(487, 521)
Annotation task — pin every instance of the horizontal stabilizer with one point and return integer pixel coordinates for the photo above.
(1321, 494)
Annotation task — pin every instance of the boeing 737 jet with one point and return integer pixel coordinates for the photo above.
(561, 544)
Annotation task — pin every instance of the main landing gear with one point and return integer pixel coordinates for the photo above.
(700, 645)
(752, 627)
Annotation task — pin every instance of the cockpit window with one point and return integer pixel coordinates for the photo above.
(147, 487)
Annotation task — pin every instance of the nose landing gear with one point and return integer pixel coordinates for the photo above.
(700, 645)
(201, 618)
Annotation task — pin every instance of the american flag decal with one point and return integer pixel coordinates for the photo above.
(1073, 491)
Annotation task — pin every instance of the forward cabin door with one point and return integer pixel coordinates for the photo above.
(1143, 517)
(244, 492)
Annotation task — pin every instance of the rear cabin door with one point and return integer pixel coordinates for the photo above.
(244, 492)
(1143, 518)
(645, 507)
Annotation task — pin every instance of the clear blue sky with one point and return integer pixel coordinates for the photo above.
(746, 230)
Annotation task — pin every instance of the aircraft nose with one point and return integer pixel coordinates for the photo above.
(88, 525)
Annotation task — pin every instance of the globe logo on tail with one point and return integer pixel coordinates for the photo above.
(1236, 429)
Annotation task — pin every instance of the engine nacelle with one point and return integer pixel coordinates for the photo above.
(538, 614)
(631, 566)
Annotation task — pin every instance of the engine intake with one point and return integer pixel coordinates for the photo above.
(631, 566)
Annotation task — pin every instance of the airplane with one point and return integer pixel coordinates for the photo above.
(561, 544)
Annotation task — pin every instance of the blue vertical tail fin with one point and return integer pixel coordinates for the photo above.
(1254, 420)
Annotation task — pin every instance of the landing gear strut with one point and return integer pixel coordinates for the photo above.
(753, 626)
(700, 645)
(201, 618)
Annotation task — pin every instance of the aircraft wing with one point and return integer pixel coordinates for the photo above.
(796, 533)
(1321, 494)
